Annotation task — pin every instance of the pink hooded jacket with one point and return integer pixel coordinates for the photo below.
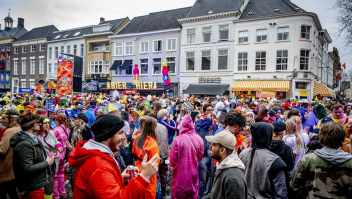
(184, 159)
(62, 137)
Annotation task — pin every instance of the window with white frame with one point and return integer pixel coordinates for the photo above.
(15, 84)
(260, 61)
(7, 86)
(304, 60)
(144, 66)
(55, 69)
(66, 35)
(125, 72)
(68, 49)
(24, 66)
(7, 47)
(243, 37)
(283, 33)
(23, 84)
(281, 59)
(32, 48)
(156, 66)
(82, 49)
(242, 61)
(32, 67)
(99, 67)
(223, 59)
(129, 48)
(15, 67)
(191, 36)
(101, 28)
(171, 63)
(262, 35)
(98, 47)
(224, 33)
(16, 50)
(171, 45)
(42, 47)
(50, 52)
(206, 60)
(74, 50)
(50, 69)
(305, 32)
(190, 61)
(107, 47)
(144, 46)
(7, 64)
(206, 34)
(157, 46)
(2, 48)
(118, 48)
(24, 49)
(31, 84)
(62, 50)
(56, 52)
(41, 65)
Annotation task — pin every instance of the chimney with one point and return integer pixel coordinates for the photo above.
(102, 19)
(20, 22)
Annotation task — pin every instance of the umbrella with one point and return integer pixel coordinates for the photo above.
(113, 107)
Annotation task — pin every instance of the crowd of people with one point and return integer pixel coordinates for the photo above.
(170, 147)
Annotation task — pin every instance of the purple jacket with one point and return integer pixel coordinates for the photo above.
(184, 159)
(312, 119)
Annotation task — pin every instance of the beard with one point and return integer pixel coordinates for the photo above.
(215, 155)
(114, 145)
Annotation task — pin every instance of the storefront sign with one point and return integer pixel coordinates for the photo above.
(266, 94)
(25, 90)
(303, 92)
(129, 92)
(209, 79)
(96, 77)
(140, 85)
(246, 96)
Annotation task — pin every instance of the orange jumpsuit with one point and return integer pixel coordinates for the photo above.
(150, 148)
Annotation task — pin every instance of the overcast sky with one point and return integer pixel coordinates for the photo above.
(66, 14)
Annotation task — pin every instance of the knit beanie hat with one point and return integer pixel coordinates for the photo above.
(63, 102)
(320, 111)
(275, 108)
(106, 126)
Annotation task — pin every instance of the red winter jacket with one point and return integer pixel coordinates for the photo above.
(98, 176)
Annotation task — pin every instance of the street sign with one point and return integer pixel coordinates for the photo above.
(25, 90)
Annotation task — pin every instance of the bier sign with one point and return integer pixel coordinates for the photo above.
(139, 85)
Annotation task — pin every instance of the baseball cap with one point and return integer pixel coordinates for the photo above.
(225, 138)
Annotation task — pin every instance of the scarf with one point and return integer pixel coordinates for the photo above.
(337, 120)
(213, 120)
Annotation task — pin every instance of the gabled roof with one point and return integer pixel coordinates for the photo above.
(156, 21)
(115, 24)
(264, 8)
(206, 7)
(38, 33)
(71, 34)
(13, 32)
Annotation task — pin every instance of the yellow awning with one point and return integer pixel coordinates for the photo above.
(256, 85)
(323, 91)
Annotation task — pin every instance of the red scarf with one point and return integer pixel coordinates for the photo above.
(205, 118)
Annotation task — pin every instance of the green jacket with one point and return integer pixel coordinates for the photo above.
(29, 163)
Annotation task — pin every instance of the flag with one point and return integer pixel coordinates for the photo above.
(38, 88)
(344, 66)
(339, 76)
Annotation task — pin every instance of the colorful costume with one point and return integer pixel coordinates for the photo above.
(165, 72)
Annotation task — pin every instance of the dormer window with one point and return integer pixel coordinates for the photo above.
(101, 28)
(77, 33)
(249, 13)
(276, 10)
(66, 35)
(57, 36)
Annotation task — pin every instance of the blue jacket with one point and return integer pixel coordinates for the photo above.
(305, 123)
(202, 128)
(91, 117)
(74, 112)
(171, 128)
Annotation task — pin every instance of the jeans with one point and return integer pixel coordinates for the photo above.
(205, 170)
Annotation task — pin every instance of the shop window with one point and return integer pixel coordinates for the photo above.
(206, 59)
(262, 35)
(206, 34)
(260, 61)
(281, 60)
(253, 93)
(157, 66)
(301, 85)
(242, 61)
(283, 33)
(190, 61)
(223, 59)
(224, 33)
(157, 46)
(244, 92)
(191, 36)
(304, 60)
(144, 66)
(305, 32)
(281, 95)
(171, 64)
(243, 37)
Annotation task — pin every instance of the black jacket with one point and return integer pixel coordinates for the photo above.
(29, 163)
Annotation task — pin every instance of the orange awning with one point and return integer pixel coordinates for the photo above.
(323, 91)
(255, 85)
